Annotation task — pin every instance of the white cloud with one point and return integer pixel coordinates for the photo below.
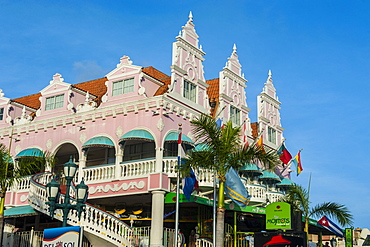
(87, 70)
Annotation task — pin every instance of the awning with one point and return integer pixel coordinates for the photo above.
(137, 135)
(174, 136)
(285, 182)
(99, 141)
(30, 152)
(277, 240)
(251, 168)
(270, 176)
(201, 147)
(19, 211)
(170, 198)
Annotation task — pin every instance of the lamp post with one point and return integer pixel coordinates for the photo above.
(53, 192)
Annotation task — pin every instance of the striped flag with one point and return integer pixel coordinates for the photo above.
(297, 161)
(235, 188)
(331, 226)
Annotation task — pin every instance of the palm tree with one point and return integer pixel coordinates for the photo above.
(9, 173)
(223, 149)
(299, 198)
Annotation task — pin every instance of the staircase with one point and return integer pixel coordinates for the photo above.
(100, 227)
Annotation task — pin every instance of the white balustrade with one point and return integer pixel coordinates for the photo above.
(274, 196)
(136, 168)
(204, 177)
(257, 192)
(95, 174)
(96, 221)
(169, 167)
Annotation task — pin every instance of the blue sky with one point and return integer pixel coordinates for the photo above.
(318, 52)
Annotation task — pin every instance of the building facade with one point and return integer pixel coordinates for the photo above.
(122, 131)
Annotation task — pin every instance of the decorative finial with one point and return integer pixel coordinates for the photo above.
(269, 78)
(57, 78)
(190, 16)
(234, 48)
(87, 97)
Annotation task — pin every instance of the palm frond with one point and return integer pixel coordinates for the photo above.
(334, 210)
(298, 197)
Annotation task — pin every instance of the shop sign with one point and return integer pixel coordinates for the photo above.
(349, 237)
(278, 216)
(62, 237)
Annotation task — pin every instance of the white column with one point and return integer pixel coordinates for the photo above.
(159, 159)
(119, 158)
(156, 231)
(81, 165)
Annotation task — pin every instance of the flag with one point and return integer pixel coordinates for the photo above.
(180, 150)
(298, 163)
(245, 139)
(235, 189)
(219, 123)
(189, 184)
(331, 226)
(284, 154)
(260, 141)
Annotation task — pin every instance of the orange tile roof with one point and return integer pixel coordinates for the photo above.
(213, 92)
(156, 74)
(29, 100)
(95, 87)
(153, 72)
(254, 127)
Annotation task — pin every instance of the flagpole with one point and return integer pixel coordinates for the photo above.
(214, 206)
(178, 187)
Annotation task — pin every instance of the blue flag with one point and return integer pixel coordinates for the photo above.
(235, 189)
(189, 184)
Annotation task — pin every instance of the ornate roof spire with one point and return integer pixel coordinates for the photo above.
(269, 78)
(234, 48)
(190, 16)
(233, 62)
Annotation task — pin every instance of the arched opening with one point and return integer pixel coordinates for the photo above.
(100, 150)
(63, 155)
(137, 144)
(171, 144)
(30, 161)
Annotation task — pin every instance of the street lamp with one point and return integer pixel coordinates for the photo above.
(53, 192)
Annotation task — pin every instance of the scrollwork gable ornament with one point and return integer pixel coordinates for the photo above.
(119, 131)
(160, 124)
(88, 105)
(23, 119)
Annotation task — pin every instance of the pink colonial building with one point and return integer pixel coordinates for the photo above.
(121, 130)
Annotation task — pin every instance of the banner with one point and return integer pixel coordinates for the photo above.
(62, 237)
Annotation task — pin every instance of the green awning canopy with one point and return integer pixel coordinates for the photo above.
(137, 135)
(99, 141)
(174, 136)
(19, 211)
(251, 168)
(285, 182)
(270, 176)
(201, 147)
(30, 152)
